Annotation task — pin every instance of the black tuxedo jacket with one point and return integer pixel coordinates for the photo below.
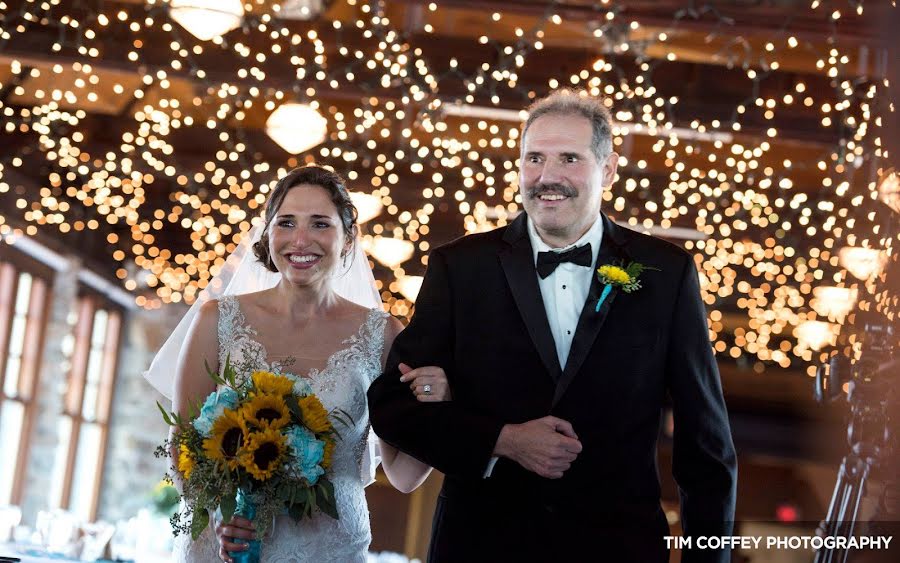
(480, 316)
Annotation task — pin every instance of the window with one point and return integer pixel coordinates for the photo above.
(84, 426)
(24, 300)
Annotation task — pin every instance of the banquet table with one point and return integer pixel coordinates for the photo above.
(33, 555)
(36, 555)
(30, 555)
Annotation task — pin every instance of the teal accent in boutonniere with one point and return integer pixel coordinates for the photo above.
(624, 277)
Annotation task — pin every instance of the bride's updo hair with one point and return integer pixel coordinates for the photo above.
(331, 182)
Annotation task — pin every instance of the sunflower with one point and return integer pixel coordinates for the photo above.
(329, 452)
(185, 461)
(271, 384)
(264, 453)
(315, 417)
(268, 410)
(229, 433)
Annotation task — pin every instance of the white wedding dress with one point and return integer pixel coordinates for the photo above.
(342, 384)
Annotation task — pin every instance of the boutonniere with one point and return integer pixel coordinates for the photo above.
(624, 277)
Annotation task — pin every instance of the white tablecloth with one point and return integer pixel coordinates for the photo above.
(8, 551)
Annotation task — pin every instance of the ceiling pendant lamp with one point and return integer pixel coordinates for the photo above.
(297, 127)
(206, 19)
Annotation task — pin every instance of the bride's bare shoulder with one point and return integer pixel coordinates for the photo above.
(351, 310)
(255, 299)
(209, 309)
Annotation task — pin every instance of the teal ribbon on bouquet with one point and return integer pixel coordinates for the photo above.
(246, 508)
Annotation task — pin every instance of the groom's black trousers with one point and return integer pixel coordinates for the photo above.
(529, 529)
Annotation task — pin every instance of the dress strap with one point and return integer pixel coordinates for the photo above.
(230, 316)
(372, 338)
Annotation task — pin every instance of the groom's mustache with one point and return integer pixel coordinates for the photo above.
(538, 189)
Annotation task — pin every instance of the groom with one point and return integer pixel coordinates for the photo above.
(549, 443)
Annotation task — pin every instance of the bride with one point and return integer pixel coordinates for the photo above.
(319, 316)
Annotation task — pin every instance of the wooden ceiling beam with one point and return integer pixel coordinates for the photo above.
(764, 19)
(705, 92)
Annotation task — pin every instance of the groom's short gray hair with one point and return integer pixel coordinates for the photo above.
(570, 102)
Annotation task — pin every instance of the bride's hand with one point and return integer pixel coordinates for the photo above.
(429, 383)
(237, 528)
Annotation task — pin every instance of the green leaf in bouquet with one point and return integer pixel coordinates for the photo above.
(285, 493)
(194, 408)
(296, 511)
(325, 498)
(294, 406)
(228, 505)
(313, 498)
(212, 374)
(341, 416)
(229, 372)
(291, 493)
(300, 495)
(299, 505)
(297, 493)
(165, 415)
(199, 522)
(326, 488)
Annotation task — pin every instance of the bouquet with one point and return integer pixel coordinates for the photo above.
(259, 446)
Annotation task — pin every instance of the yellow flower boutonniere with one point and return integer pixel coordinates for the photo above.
(624, 277)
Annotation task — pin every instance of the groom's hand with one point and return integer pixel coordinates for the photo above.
(546, 446)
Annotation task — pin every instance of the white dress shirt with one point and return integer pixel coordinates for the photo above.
(563, 292)
(566, 289)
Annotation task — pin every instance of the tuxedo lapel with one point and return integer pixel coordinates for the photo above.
(517, 261)
(591, 321)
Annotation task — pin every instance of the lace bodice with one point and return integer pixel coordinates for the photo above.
(341, 384)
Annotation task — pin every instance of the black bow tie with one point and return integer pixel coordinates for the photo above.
(548, 261)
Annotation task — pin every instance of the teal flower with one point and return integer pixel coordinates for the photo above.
(308, 452)
(302, 388)
(212, 409)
